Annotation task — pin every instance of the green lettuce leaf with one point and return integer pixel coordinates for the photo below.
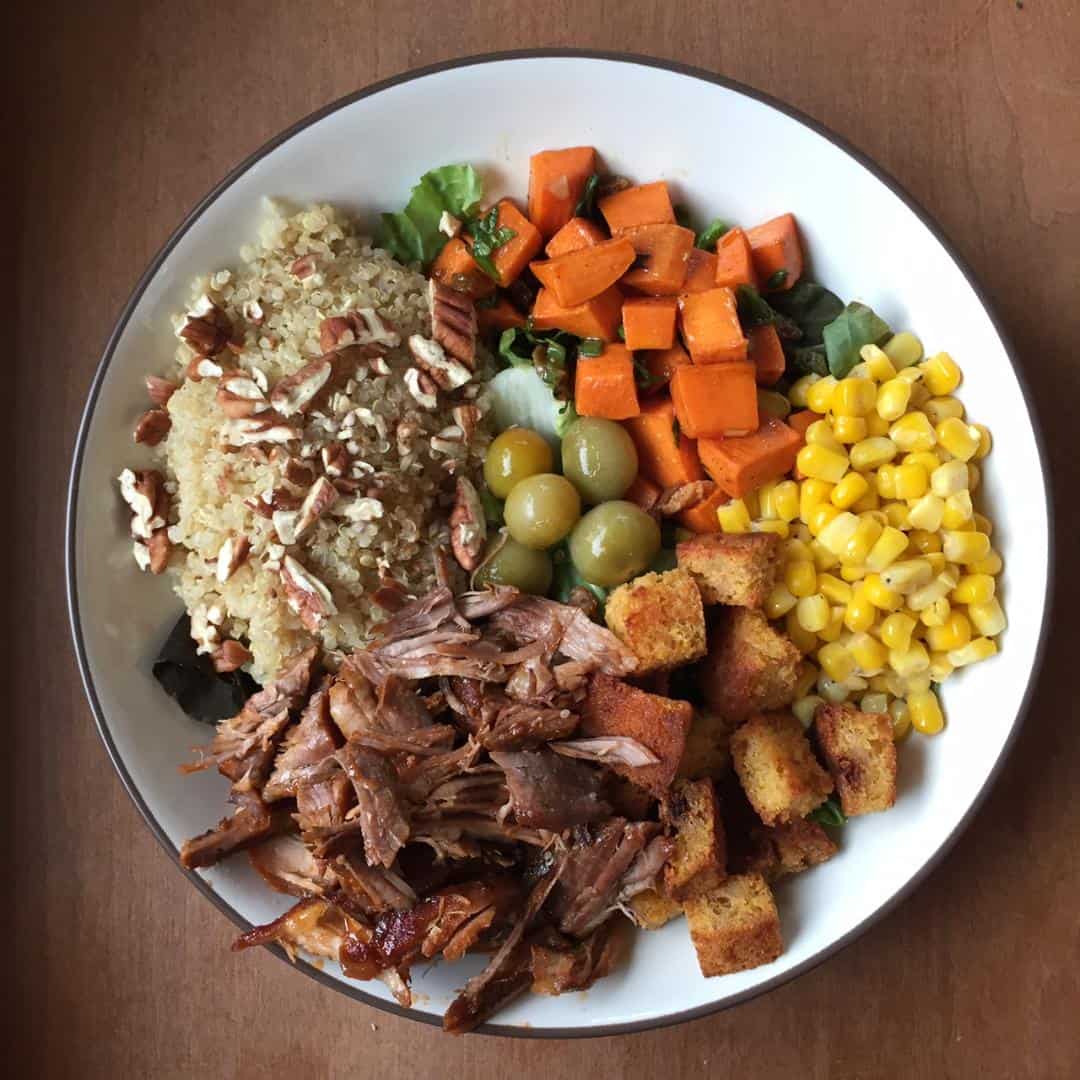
(857, 325)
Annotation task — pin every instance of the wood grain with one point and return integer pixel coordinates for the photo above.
(125, 113)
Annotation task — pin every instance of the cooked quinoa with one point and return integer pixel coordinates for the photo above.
(308, 266)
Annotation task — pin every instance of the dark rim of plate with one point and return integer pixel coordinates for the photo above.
(155, 265)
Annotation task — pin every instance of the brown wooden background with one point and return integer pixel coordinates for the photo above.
(124, 114)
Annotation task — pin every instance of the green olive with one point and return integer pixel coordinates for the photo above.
(541, 510)
(506, 562)
(614, 542)
(599, 458)
(514, 455)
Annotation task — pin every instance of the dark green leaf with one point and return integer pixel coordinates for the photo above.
(516, 346)
(493, 508)
(622, 332)
(591, 346)
(676, 430)
(857, 325)
(706, 239)
(776, 279)
(586, 205)
(828, 813)
(810, 306)
(488, 236)
(413, 234)
(566, 578)
(807, 360)
(754, 309)
(644, 378)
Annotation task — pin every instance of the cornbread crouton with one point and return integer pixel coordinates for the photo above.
(799, 845)
(860, 754)
(777, 769)
(737, 569)
(708, 745)
(627, 799)
(751, 667)
(734, 926)
(613, 707)
(660, 618)
(652, 909)
(698, 861)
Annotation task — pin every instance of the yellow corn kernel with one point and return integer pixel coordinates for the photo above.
(900, 716)
(877, 427)
(960, 439)
(991, 565)
(986, 441)
(884, 683)
(750, 501)
(940, 667)
(832, 691)
(936, 560)
(878, 365)
(926, 513)
(800, 388)
(785, 500)
(849, 491)
(988, 619)
(869, 653)
(907, 576)
(813, 613)
(837, 530)
(912, 374)
(922, 540)
(805, 679)
(938, 589)
(983, 524)
(903, 349)
(870, 503)
(941, 374)
(849, 429)
(820, 518)
(888, 547)
(835, 629)
(957, 511)
(853, 397)
(913, 431)
(799, 531)
(884, 478)
(896, 631)
(893, 398)
(873, 452)
(824, 559)
(812, 493)
(949, 479)
(779, 601)
(874, 702)
(860, 612)
(880, 595)
(982, 648)
(911, 482)
(800, 578)
(928, 459)
(859, 371)
(918, 682)
(803, 640)
(820, 433)
(942, 408)
(836, 661)
(852, 572)
(924, 711)
(936, 614)
(897, 514)
(771, 403)
(793, 550)
(733, 517)
(974, 476)
(975, 588)
(819, 394)
(778, 528)
(912, 661)
(954, 633)
(862, 540)
(765, 501)
(804, 708)
(965, 547)
(833, 589)
(822, 463)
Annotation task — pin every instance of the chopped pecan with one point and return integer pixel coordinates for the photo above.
(308, 597)
(422, 387)
(336, 332)
(253, 312)
(453, 322)
(405, 434)
(297, 473)
(152, 427)
(285, 525)
(202, 367)
(319, 499)
(144, 492)
(295, 392)
(265, 428)
(303, 267)
(335, 459)
(230, 655)
(674, 500)
(468, 526)
(158, 546)
(239, 395)
(231, 555)
(432, 358)
(369, 326)
(467, 417)
(207, 329)
(159, 390)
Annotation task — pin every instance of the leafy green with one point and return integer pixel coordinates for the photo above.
(547, 351)
(857, 325)
(591, 346)
(754, 309)
(706, 239)
(488, 236)
(586, 205)
(493, 508)
(676, 431)
(564, 417)
(622, 332)
(828, 813)
(776, 279)
(807, 360)
(810, 307)
(644, 378)
(413, 234)
(567, 578)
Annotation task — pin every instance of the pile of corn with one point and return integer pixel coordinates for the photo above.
(888, 573)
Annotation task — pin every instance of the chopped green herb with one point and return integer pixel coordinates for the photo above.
(488, 236)
(828, 813)
(755, 310)
(706, 239)
(586, 205)
(776, 280)
(807, 360)
(644, 378)
(857, 325)
(487, 301)
(676, 431)
(622, 332)
(591, 346)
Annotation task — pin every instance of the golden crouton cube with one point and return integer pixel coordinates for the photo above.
(708, 745)
(751, 667)
(660, 618)
(734, 926)
(736, 568)
(860, 754)
(652, 909)
(692, 811)
(613, 707)
(777, 768)
(799, 845)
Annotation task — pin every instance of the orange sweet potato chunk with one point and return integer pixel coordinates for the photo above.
(710, 326)
(557, 181)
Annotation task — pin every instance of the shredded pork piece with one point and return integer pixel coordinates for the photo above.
(383, 822)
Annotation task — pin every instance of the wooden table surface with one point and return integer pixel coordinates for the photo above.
(129, 112)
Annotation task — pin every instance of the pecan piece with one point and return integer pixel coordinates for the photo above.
(319, 499)
(207, 329)
(422, 387)
(308, 597)
(335, 459)
(674, 500)
(297, 473)
(202, 367)
(336, 332)
(303, 267)
(453, 322)
(239, 395)
(230, 655)
(295, 392)
(152, 427)
(468, 526)
(144, 492)
(231, 555)
(259, 429)
(159, 390)
(467, 418)
(432, 358)
(158, 547)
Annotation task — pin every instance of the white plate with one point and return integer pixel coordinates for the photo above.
(726, 151)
